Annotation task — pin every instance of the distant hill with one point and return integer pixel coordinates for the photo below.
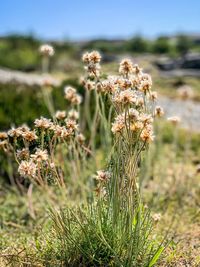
(21, 52)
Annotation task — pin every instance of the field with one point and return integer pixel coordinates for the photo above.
(105, 177)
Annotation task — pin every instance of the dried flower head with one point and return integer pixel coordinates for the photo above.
(61, 131)
(15, 132)
(147, 134)
(27, 168)
(43, 123)
(119, 124)
(140, 102)
(73, 115)
(153, 95)
(69, 92)
(102, 175)
(71, 124)
(126, 67)
(29, 136)
(92, 61)
(72, 96)
(185, 92)
(107, 86)
(156, 217)
(133, 114)
(80, 138)
(4, 145)
(47, 50)
(146, 118)
(145, 82)
(23, 154)
(60, 115)
(86, 57)
(124, 83)
(40, 155)
(77, 99)
(93, 69)
(3, 135)
(135, 80)
(135, 126)
(159, 112)
(93, 57)
(125, 97)
(174, 120)
(137, 70)
(89, 85)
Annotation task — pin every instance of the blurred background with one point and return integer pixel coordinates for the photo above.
(163, 37)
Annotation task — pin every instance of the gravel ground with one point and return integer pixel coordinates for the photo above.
(18, 77)
(188, 111)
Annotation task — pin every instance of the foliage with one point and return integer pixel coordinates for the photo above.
(21, 51)
(95, 219)
(90, 237)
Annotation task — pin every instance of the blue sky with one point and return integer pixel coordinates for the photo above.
(84, 19)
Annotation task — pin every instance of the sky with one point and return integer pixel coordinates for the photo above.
(85, 19)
